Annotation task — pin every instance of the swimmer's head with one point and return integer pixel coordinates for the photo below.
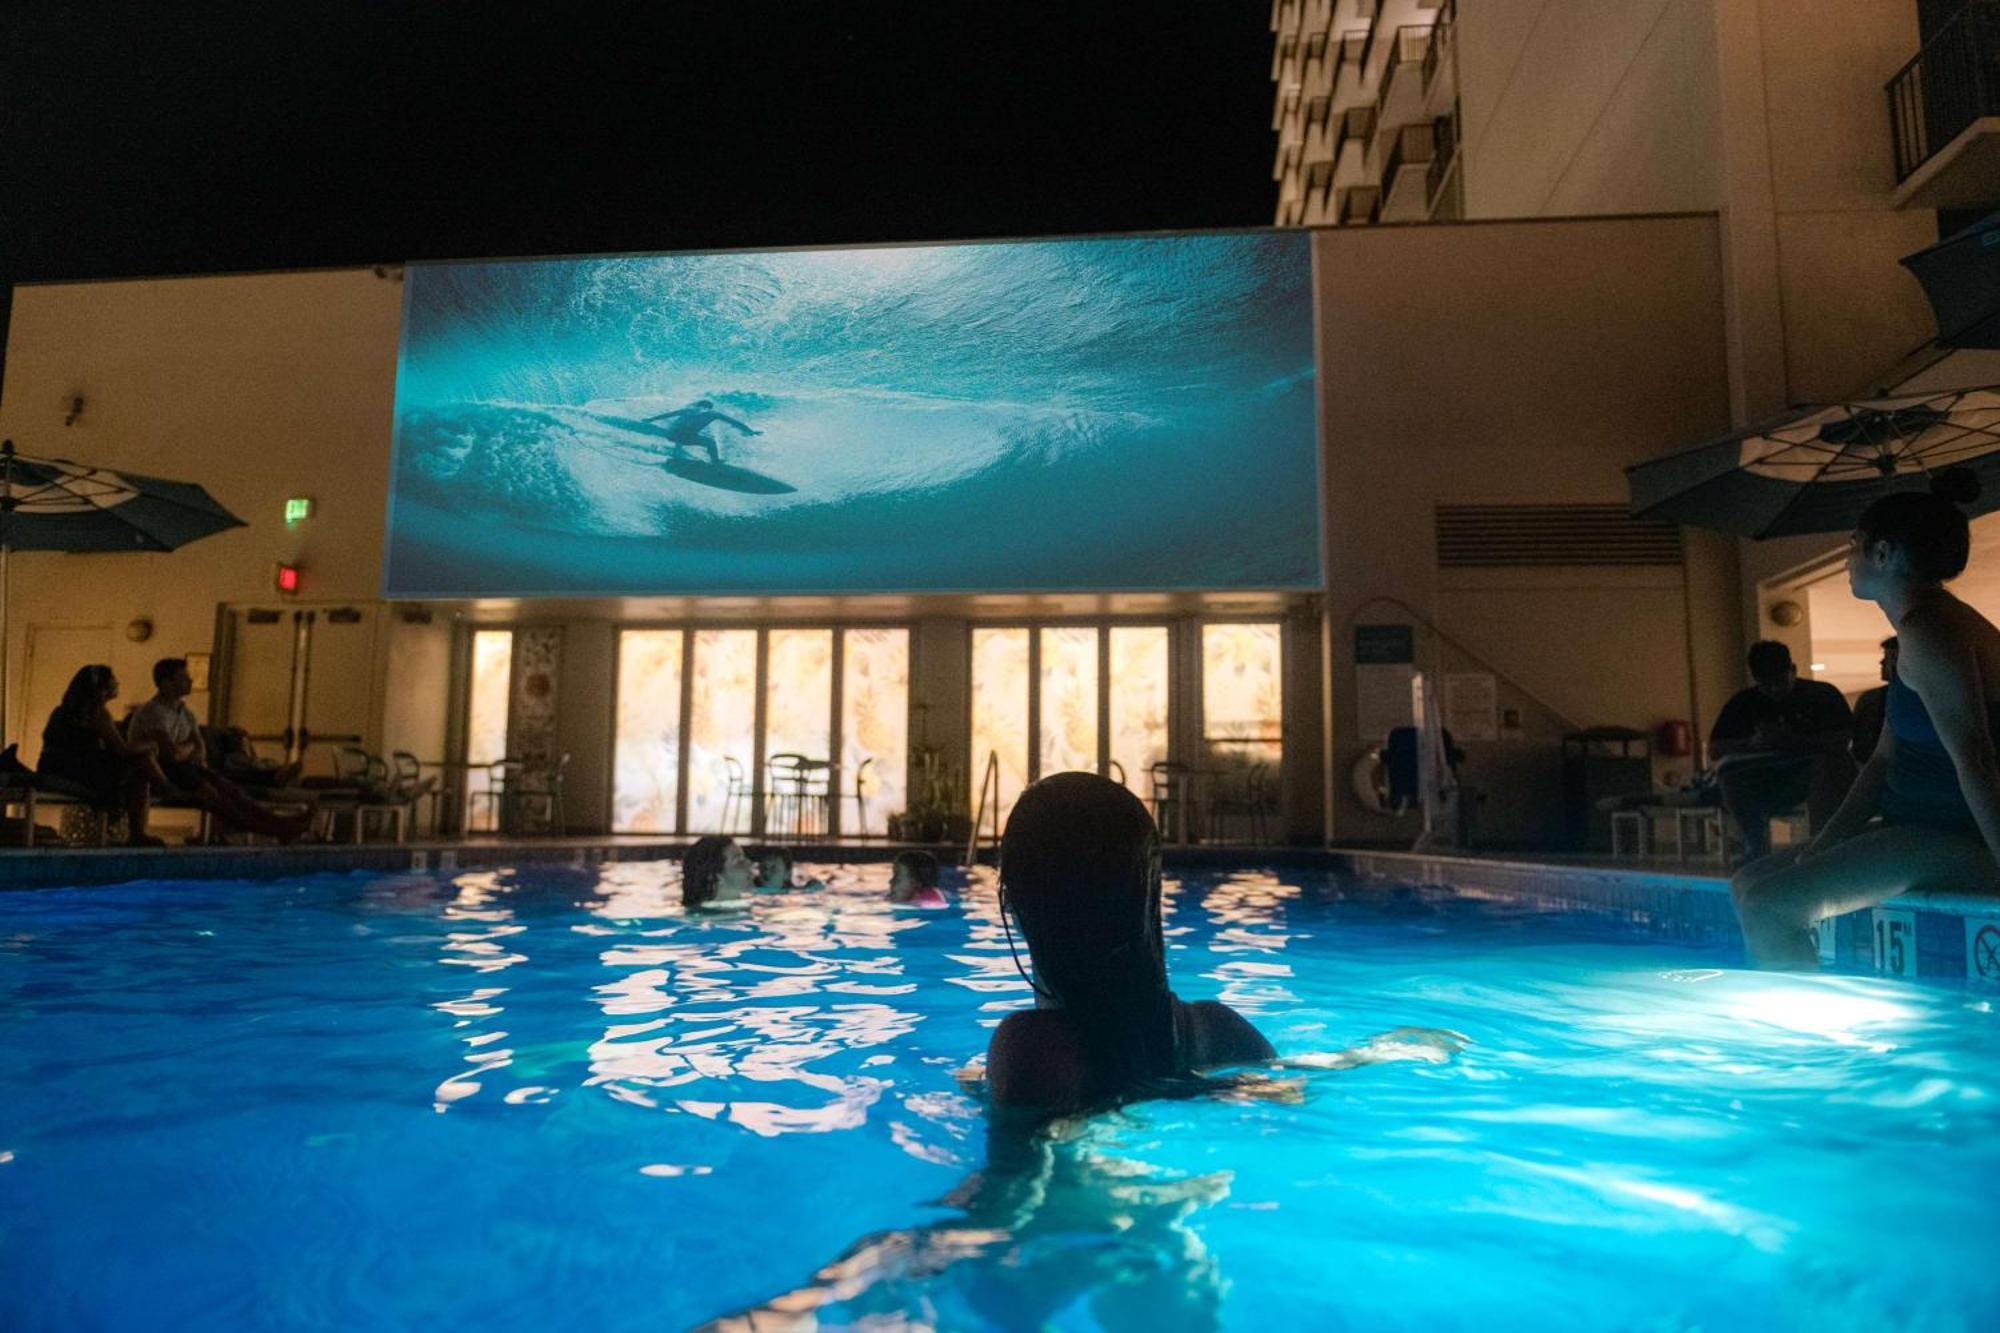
(912, 873)
(774, 867)
(1080, 871)
(714, 870)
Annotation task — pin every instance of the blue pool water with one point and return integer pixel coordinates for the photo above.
(548, 1100)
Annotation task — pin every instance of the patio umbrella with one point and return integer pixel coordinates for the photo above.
(1961, 276)
(1817, 469)
(52, 504)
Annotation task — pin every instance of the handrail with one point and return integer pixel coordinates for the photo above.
(1432, 626)
(1945, 87)
(1445, 148)
(989, 777)
(1441, 33)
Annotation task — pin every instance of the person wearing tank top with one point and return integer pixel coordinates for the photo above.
(1924, 814)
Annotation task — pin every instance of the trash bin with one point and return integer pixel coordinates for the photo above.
(1601, 762)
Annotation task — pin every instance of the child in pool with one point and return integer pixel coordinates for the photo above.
(715, 874)
(1080, 874)
(774, 872)
(913, 881)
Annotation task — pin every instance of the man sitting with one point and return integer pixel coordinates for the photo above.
(1781, 743)
(1872, 706)
(169, 724)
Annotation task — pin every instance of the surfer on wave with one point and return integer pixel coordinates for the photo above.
(688, 426)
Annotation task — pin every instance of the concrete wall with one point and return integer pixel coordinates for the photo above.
(1511, 363)
(261, 387)
(1586, 107)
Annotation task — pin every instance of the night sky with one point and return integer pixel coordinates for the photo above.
(166, 139)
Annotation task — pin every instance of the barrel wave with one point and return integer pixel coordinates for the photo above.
(1133, 413)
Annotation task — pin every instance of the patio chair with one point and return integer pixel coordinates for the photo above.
(737, 792)
(535, 793)
(1170, 783)
(1248, 801)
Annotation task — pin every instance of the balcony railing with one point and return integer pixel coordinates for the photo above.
(1441, 35)
(1357, 123)
(1412, 43)
(1947, 86)
(1446, 149)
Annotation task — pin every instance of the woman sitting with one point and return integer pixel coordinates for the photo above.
(1080, 872)
(716, 874)
(1933, 778)
(82, 745)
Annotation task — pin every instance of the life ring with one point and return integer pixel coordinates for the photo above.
(1370, 779)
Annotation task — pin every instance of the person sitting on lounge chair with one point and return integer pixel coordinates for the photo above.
(230, 754)
(166, 721)
(81, 745)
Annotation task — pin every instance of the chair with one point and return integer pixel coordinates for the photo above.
(1116, 772)
(737, 793)
(1250, 803)
(409, 784)
(536, 791)
(861, 796)
(366, 789)
(799, 797)
(500, 777)
(1170, 798)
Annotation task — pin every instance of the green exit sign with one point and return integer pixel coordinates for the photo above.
(298, 509)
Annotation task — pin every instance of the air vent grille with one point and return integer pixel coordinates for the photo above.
(1487, 536)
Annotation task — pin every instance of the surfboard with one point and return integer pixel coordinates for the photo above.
(724, 477)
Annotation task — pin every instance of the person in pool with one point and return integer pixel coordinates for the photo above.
(913, 881)
(688, 426)
(774, 871)
(1080, 873)
(1933, 779)
(715, 873)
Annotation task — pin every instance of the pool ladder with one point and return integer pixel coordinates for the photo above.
(989, 783)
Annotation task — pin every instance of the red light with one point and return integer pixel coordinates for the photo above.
(288, 578)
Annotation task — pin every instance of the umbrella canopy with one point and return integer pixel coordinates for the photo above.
(52, 504)
(1961, 276)
(1817, 469)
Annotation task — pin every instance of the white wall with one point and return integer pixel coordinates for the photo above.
(1572, 107)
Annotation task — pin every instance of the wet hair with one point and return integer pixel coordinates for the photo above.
(762, 854)
(1891, 644)
(1080, 871)
(702, 402)
(923, 867)
(701, 868)
(167, 668)
(1928, 527)
(1768, 658)
(85, 694)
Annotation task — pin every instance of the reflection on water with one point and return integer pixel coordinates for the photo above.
(1069, 1214)
(325, 1103)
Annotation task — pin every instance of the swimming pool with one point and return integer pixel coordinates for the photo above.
(546, 1099)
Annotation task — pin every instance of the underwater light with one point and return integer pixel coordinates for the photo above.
(1822, 1009)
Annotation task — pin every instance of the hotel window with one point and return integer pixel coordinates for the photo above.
(1097, 697)
(647, 745)
(1000, 712)
(1242, 694)
(722, 732)
(1139, 698)
(874, 726)
(687, 746)
(486, 722)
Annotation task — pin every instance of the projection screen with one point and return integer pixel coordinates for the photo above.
(1132, 413)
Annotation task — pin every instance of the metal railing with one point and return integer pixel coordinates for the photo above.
(1357, 123)
(1441, 35)
(1446, 149)
(1948, 85)
(1412, 43)
(989, 787)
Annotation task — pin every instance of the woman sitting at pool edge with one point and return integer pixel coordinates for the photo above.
(1933, 779)
(1080, 873)
(716, 874)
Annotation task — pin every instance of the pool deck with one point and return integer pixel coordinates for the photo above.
(1946, 936)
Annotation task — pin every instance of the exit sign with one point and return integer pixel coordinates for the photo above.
(298, 509)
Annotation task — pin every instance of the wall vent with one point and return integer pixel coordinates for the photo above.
(1491, 536)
